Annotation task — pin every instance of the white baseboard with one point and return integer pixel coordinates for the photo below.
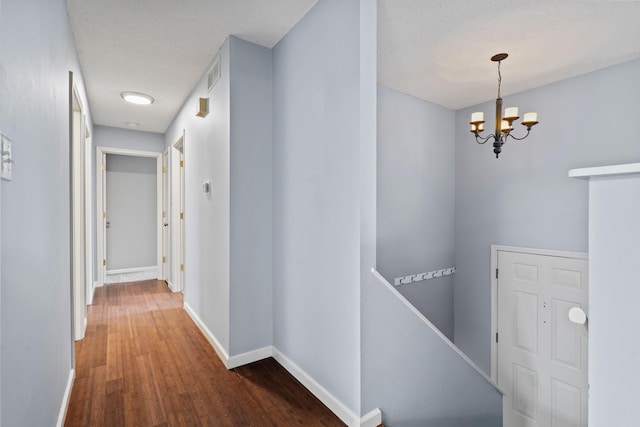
(222, 353)
(173, 288)
(249, 357)
(333, 403)
(131, 275)
(91, 293)
(372, 419)
(65, 399)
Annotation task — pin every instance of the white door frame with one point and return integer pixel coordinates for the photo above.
(78, 173)
(494, 290)
(177, 206)
(100, 218)
(90, 285)
(165, 267)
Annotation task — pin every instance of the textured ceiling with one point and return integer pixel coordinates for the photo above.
(437, 50)
(440, 50)
(162, 48)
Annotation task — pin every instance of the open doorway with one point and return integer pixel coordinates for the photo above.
(130, 243)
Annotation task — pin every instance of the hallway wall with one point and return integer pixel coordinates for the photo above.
(416, 197)
(37, 51)
(228, 280)
(323, 201)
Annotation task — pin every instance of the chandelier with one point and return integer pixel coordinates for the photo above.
(504, 122)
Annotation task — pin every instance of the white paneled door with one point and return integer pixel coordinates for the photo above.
(542, 355)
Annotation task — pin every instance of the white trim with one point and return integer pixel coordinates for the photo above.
(494, 289)
(100, 151)
(173, 289)
(92, 291)
(603, 171)
(435, 329)
(131, 275)
(222, 353)
(249, 357)
(329, 400)
(176, 197)
(79, 241)
(372, 419)
(65, 399)
(133, 270)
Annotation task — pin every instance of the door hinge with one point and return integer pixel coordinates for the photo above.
(181, 215)
(104, 262)
(496, 273)
(496, 337)
(164, 214)
(181, 163)
(164, 259)
(104, 167)
(104, 214)
(181, 267)
(164, 169)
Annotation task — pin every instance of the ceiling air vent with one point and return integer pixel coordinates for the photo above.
(214, 73)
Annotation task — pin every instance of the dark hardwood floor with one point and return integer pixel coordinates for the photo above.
(143, 362)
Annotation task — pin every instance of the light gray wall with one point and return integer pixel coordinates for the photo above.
(416, 197)
(419, 380)
(131, 211)
(525, 198)
(207, 217)
(614, 233)
(36, 53)
(229, 231)
(321, 206)
(251, 290)
(106, 136)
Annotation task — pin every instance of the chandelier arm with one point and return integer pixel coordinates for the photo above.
(481, 140)
(520, 139)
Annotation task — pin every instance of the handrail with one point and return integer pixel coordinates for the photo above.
(434, 328)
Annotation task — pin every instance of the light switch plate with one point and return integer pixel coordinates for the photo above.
(7, 158)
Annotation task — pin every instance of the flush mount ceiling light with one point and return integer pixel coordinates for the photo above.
(504, 122)
(137, 98)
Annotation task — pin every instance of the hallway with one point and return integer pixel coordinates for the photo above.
(143, 362)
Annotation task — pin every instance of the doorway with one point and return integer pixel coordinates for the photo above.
(117, 270)
(80, 280)
(539, 356)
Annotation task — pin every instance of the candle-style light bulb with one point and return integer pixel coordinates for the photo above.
(530, 119)
(477, 117)
(511, 113)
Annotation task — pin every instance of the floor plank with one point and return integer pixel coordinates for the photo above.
(143, 362)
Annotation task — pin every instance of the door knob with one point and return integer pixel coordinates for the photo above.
(577, 315)
(166, 224)
(108, 224)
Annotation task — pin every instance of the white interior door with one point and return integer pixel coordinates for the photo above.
(165, 215)
(542, 355)
(182, 221)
